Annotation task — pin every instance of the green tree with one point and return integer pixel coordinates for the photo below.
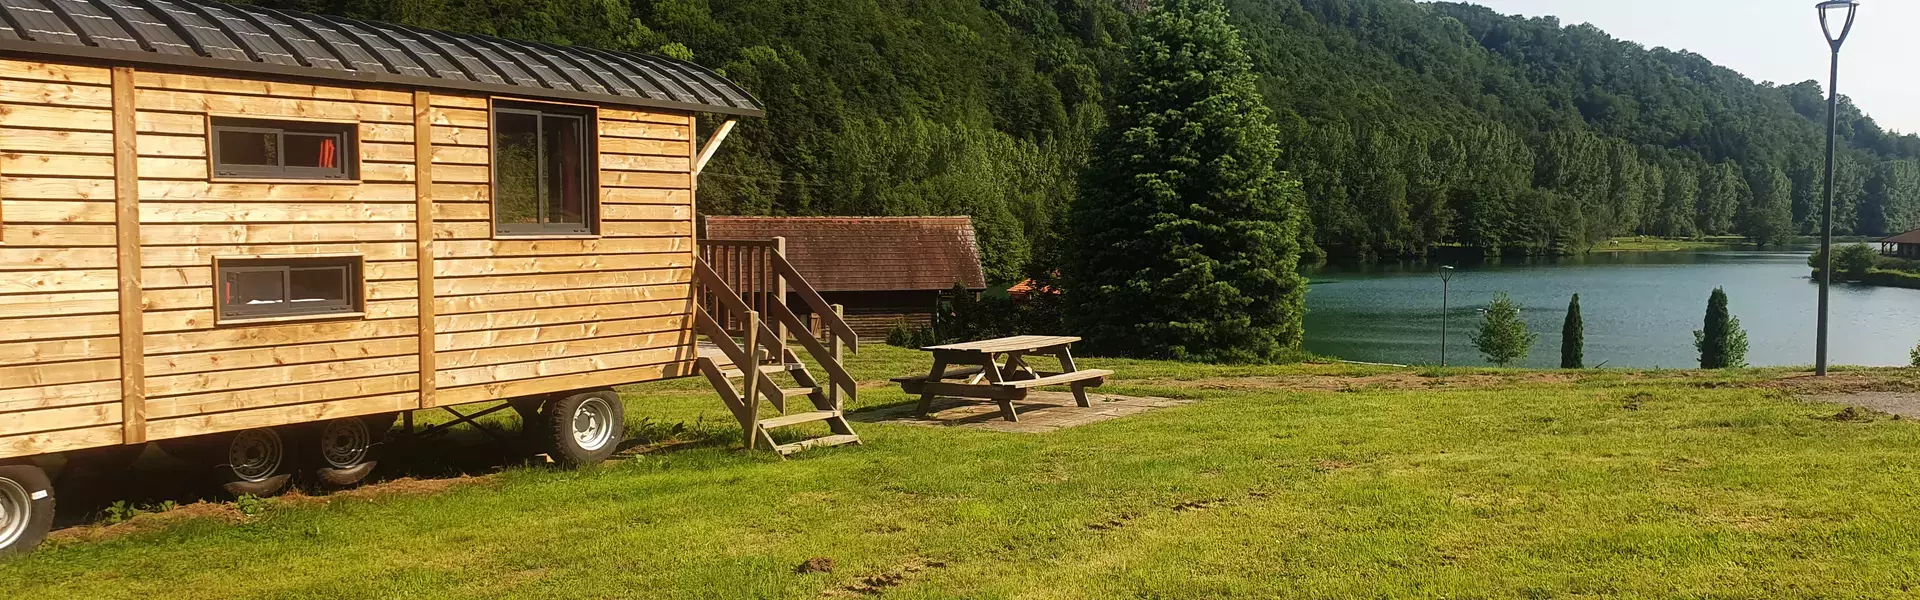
(1183, 238)
(1573, 338)
(1721, 341)
(1768, 220)
(1503, 336)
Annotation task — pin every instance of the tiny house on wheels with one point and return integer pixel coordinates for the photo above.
(256, 237)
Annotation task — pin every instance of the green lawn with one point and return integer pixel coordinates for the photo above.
(1286, 481)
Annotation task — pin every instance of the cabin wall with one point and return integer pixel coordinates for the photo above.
(203, 378)
(59, 304)
(509, 316)
(518, 316)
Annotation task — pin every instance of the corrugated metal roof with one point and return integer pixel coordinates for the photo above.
(212, 35)
(853, 254)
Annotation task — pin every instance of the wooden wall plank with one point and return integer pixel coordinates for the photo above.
(40, 71)
(56, 396)
(70, 303)
(563, 383)
(228, 401)
(490, 338)
(220, 360)
(281, 415)
(59, 441)
(53, 419)
(126, 184)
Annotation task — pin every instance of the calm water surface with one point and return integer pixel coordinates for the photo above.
(1640, 309)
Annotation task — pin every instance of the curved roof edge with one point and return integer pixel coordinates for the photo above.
(201, 34)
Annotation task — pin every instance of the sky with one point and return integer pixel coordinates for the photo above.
(1770, 40)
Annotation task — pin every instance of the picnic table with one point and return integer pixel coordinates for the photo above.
(996, 370)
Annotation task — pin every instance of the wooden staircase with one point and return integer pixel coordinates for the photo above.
(741, 311)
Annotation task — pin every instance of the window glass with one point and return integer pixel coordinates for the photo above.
(253, 288)
(566, 186)
(317, 285)
(313, 151)
(543, 169)
(516, 156)
(249, 147)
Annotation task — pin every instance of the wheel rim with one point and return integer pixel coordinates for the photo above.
(16, 511)
(593, 424)
(344, 443)
(255, 454)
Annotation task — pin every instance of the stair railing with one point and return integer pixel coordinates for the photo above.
(756, 273)
(718, 305)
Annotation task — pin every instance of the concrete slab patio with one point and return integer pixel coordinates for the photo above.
(1040, 412)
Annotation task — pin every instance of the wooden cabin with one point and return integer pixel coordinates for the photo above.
(884, 270)
(230, 220)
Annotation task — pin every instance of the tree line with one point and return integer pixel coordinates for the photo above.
(1411, 126)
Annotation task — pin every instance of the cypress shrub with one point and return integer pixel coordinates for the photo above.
(1573, 338)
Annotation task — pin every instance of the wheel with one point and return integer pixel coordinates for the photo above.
(253, 462)
(26, 507)
(348, 449)
(585, 428)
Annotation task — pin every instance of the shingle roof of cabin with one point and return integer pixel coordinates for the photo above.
(1911, 237)
(847, 254)
(212, 35)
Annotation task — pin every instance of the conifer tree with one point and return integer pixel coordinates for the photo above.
(1503, 337)
(1573, 338)
(1721, 341)
(1183, 240)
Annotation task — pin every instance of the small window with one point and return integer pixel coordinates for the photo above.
(543, 169)
(288, 287)
(252, 148)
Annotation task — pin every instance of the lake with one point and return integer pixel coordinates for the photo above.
(1640, 309)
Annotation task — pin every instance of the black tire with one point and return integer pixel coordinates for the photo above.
(346, 451)
(26, 508)
(256, 462)
(586, 428)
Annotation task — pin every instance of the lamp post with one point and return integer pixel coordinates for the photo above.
(1446, 276)
(1827, 10)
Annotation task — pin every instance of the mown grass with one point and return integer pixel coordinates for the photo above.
(1403, 483)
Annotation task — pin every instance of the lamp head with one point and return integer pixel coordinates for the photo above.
(1831, 11)
(1446, 272)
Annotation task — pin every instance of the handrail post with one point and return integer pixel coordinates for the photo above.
(833, 343)
(779, 292)
(750, 421)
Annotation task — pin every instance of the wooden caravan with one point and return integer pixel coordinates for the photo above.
(257, 235)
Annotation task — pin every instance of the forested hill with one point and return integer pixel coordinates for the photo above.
(1411, 125)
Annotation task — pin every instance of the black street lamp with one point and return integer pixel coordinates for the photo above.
(1446, 276)
(1827, 10)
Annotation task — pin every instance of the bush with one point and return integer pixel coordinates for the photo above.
(1913, 357)
(909, 336)
(1850, 261)
(1503, 337)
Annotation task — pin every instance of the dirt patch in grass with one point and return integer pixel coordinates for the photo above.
(879, 583)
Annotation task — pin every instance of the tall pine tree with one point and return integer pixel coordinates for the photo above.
(1573, 338)
(1183, 238)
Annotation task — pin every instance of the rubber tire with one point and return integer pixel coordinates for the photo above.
(377, 428)
(40, 511)
(563, 447)
(273, 485)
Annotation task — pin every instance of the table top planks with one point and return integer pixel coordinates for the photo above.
(1006, 344)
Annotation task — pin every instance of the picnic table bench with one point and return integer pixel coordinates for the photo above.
(996, 370)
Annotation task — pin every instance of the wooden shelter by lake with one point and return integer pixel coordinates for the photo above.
(885, 270)
(1905, 245)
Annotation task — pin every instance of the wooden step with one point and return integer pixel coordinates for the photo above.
(798, 418)
(797, 392)
(819, 442)
(734, 373)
